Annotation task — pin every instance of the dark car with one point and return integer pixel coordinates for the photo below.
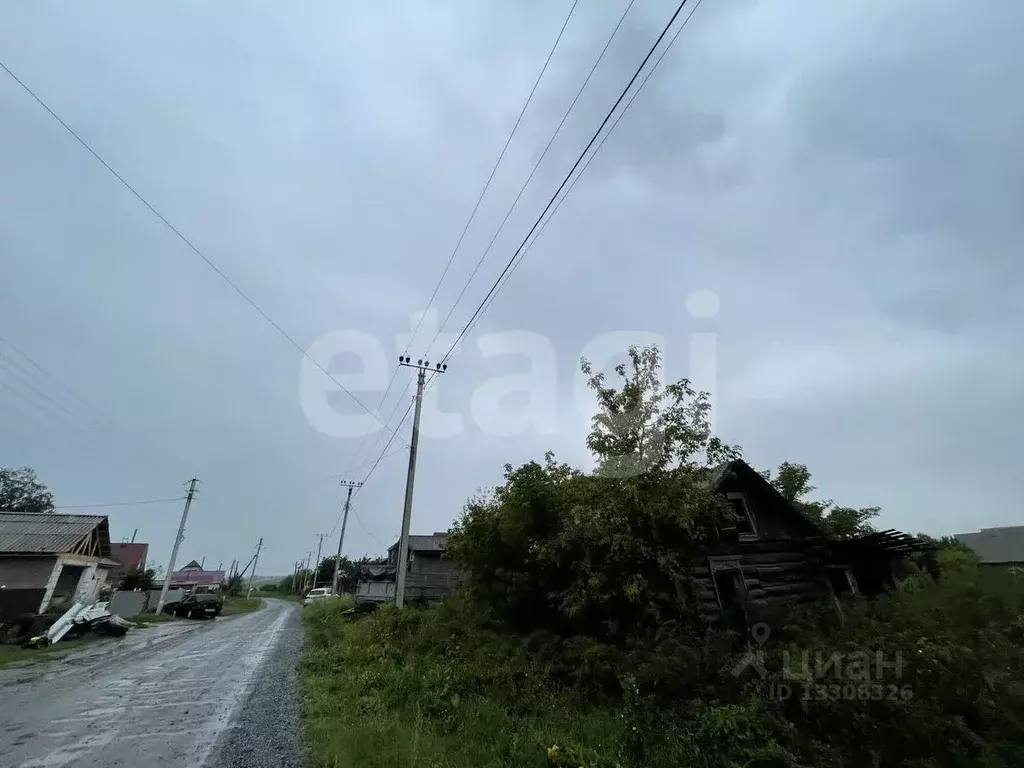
(200, 606)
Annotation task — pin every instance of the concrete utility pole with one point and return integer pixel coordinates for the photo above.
(344, 521)
(422, 366)
(177, 543)
(306, 573)
(255, 560)
(319, 549)
(295, 577)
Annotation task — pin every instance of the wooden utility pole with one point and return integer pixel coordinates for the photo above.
(177, 543)
(421, 366)
(255, 560)
(341, 539)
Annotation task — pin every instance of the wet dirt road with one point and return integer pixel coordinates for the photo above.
(203, 694)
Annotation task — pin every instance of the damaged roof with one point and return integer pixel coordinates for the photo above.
(432, 543)
(26, 533)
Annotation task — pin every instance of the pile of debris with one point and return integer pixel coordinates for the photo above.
(77, 621)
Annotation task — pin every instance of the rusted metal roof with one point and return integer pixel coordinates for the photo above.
(130, 555)
(24, 534)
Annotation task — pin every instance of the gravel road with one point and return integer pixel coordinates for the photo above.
(190, 694)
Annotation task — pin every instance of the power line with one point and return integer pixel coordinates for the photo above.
(533, 172)
(57, 381)
(188, 242)
(118, 504)
(590, 159)
(568, 176)
(30, 383)
(494, 170)
(472, 215)
(159, 456)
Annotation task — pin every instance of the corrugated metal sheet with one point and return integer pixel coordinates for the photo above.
(996, 545)
(44, 534)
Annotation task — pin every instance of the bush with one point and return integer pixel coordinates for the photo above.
(445, 683)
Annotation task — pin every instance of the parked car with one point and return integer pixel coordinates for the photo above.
(197, 606)
(315, 595)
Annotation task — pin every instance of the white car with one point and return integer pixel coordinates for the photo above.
(315, 595)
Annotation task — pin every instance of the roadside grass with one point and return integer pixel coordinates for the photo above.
(148, 619)
(398, 689)
(233, 605)
(12, 654)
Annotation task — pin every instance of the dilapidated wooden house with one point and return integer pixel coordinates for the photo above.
(774, 554)
(429, 575)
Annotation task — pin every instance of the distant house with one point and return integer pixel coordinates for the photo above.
(193, 576)
(997, 546)
(774, 554)
(131, 557)
(429, 575)
(50, 561)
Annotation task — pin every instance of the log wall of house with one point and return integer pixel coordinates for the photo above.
(779, 565)
(775, 571)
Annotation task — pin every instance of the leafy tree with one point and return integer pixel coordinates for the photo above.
(949, 558)
(235, 585)
(643, 426)
(348, 573)
(605, 553)
(794, 482)
(136, 579)
(21, 491)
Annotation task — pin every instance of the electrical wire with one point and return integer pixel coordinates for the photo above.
(497, 163)
(159, 457)
(217, 270)
(541, 221)
(119, 503)
(569, 175)
(590, 159)
(533, 172)
(472, 216)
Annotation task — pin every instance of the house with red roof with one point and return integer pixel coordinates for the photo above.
(130, 556)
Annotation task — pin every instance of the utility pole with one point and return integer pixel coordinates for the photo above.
(305, 573)
(319, 549)
(344, 521)
(295, 577)
(422, 366)
(255, 560)
(177, 543)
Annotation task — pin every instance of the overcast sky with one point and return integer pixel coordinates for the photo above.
(837, 188)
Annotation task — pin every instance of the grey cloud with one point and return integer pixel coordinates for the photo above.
(844, 177)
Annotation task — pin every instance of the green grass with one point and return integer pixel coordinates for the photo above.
(11, 654)
(440, 687)
(148, 619)
(393, 690)
(233, 605)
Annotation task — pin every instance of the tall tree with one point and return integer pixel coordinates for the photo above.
(21, 491)
(608, 552)
(793, 481)
(643, 426)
